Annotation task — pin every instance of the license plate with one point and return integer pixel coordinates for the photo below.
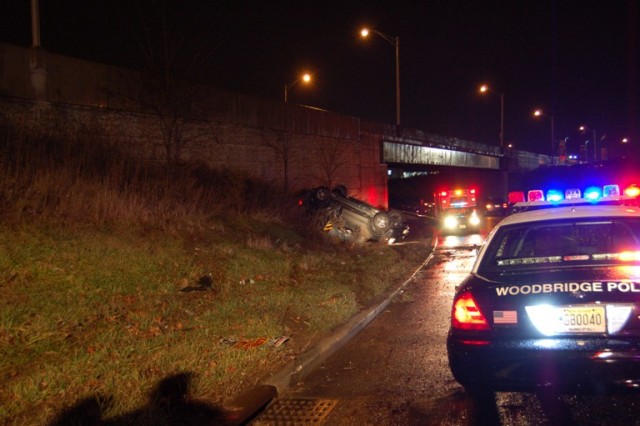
(581, 319)
(463, 226)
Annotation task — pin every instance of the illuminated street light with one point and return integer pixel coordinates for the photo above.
(306, 78)
(539, 113)
(625, 140)
(395, 41)
(484, 89)
(595, 149)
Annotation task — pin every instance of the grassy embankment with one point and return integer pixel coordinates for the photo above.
(115, 277)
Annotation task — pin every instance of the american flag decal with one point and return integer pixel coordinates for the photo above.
(505, 317)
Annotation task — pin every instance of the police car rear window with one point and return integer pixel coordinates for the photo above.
(563, 243)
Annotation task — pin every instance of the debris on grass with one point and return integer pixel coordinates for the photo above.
(254, 343)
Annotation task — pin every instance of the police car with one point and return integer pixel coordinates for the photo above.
(552, 301)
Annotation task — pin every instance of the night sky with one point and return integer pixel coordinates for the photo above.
(576, 60)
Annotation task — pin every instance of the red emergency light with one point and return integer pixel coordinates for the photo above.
(632, 191)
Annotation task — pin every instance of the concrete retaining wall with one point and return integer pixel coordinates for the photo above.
(40, 91)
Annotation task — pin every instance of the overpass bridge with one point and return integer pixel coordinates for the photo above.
(422, 149)
(450, 162)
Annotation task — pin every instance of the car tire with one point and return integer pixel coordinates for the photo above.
(340, 190)
(380, 223)
(396, 217)
(322, 195)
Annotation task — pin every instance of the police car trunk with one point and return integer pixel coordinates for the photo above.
(564, 281)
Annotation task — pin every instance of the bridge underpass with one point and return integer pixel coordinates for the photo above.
(418, 169)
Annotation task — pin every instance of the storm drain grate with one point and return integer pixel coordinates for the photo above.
(290, 412)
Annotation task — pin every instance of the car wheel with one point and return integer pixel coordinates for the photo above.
(396, 217)
(322, 195)
(380, 223)
(340, 190)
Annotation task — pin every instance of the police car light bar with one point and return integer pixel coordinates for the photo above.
(572, 196)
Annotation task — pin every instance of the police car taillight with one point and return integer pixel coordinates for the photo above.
(466, 315)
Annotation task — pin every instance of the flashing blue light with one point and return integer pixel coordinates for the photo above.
(554, 195)
(592, 193)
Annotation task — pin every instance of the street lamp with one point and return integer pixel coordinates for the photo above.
(394, 41)
(595, 150)
(306, 78)
(483, 89)
(539, 113)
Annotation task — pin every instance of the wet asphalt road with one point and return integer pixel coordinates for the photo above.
(395, 371)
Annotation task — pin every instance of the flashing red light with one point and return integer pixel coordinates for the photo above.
(516, 197)
(473, 191)
(466, 315)
(443, 193)
(535, 195)
(632, 191)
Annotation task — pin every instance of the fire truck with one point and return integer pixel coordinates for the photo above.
(454, 198)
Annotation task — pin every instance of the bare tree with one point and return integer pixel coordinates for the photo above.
(281, 143)
(333, 156)
(173, 57)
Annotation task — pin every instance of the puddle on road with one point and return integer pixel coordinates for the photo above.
(456, 408)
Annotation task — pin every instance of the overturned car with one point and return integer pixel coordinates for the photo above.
(350, 219)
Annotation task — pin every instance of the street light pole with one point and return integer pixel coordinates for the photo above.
(394, 41)
(595, 149)
(539, 113)
(553, 138)
(397, 44)
(502, 120)
(485, 88)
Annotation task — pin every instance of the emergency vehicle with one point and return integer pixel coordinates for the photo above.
(456, 210)
(552, 302)
(455, 198)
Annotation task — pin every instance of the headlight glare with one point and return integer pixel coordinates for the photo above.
(450, 222)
